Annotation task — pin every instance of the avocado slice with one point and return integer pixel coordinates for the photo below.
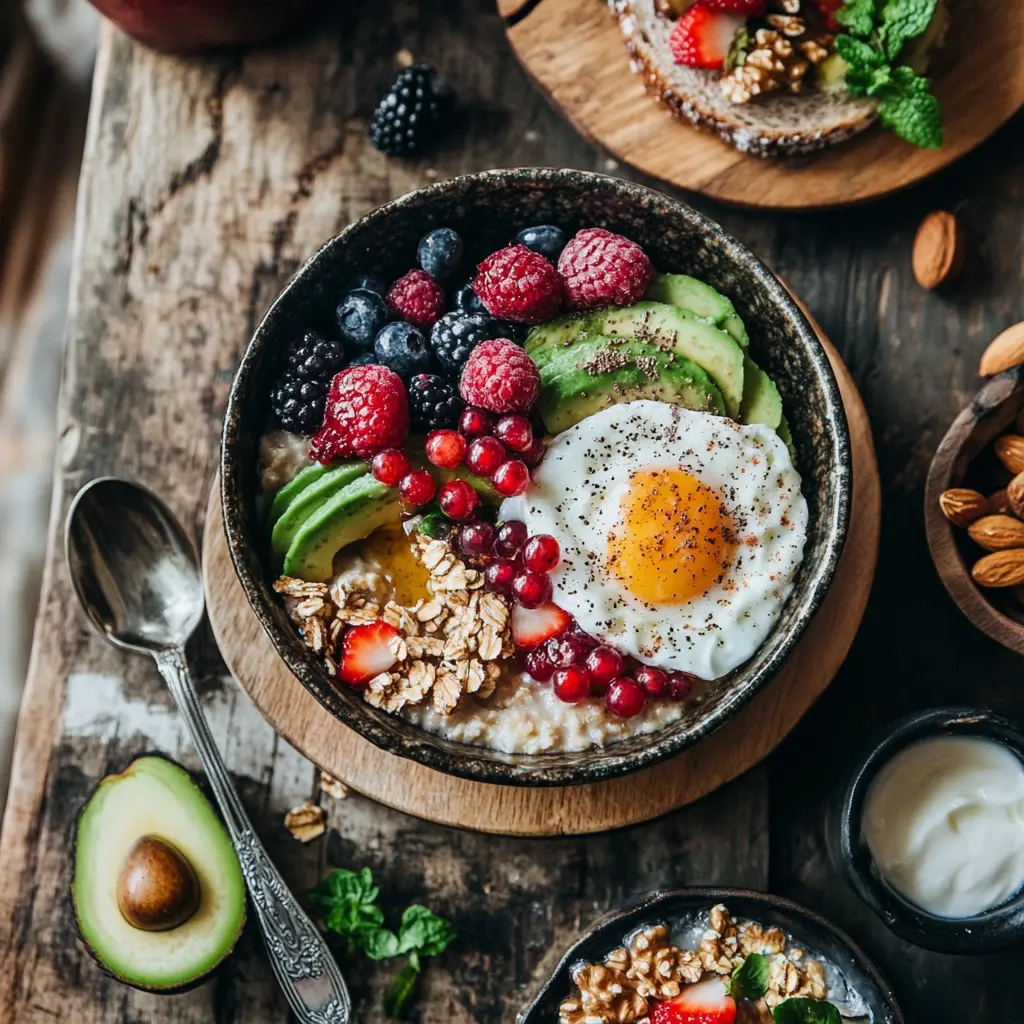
(147, 841)
(787, 437)
(349, 515)
(762, 402)
(310, 498)
(689, 293)
(598, 372)
(290, 491)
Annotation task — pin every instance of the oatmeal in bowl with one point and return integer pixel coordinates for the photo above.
(549, 506)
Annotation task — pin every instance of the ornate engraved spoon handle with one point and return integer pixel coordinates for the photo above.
(302, 963)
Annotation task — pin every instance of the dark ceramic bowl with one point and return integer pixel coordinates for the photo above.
(994, 929)
(855, 985)
(487, 209)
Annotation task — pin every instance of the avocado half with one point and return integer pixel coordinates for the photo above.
(158, 893)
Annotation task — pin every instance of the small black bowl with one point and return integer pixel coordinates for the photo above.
(868, 994)
(994, 929)
(487, 208)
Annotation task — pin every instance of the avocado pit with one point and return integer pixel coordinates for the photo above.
(157, 889)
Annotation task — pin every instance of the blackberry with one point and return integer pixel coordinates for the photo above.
(300, 392)
(402, 348)
(434, 404)
(456, 334)
(412, 111)
(546, 239)
(440, 252)
(360, 315)
(467, 300)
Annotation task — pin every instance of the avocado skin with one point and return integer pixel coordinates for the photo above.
(573, 386)
(762, 402)
(701, 299)
(309, 499)
(290, 491)
(189, 983)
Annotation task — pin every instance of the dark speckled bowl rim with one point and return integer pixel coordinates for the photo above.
(983, 933)
(645, 909)
(479, 763)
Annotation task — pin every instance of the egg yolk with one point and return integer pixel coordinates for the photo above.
(672, 538)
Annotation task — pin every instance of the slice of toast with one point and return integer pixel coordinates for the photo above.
(773, 125)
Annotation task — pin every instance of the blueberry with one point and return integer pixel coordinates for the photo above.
(403, 348)
(467, 300)
(369, 283)
(440, 252)
(360, 316)
(363, 358)
(543, 238)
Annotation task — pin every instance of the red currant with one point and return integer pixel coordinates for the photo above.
(541, 553)
(571, 684)
(653, 680)
(511, 478)
(476, 538)
(485, 455)
(533, 455)
(531, 589)
(446, 448)
(389, 466)
(514, 432)
(625, 697)
(475, 422)
(417, 487)
(539, 667)
(511, 537)
(499, 575)
(457, 499)
(566, 649)
(680, 684)
(603, 664)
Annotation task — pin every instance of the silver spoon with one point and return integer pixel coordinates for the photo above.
(137, 576)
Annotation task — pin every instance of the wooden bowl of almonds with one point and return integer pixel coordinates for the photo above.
(974, 499)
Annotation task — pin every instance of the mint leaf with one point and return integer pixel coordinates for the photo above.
(903, 20)
(858, 54)
(858, 16)
(423, 931)
(431, 524)
(912, 112)
(347, 902)
(750, 979)
(806, 1011)
(399, 993)
(381, 944)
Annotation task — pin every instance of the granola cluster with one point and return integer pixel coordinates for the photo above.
(650, 969)
(449, 644)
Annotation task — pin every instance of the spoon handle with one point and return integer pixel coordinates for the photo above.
(303, 964)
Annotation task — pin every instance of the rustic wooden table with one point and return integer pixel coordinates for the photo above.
(206, 183)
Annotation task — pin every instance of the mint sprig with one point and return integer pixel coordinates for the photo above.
(876, 32)
(347, 903)
(750, 978)
(801, 1010)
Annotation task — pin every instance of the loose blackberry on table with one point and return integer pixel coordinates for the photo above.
(413, 113)
(434, 404)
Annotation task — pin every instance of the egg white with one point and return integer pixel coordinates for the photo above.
(575, 496)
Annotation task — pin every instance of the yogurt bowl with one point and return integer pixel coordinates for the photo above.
(582, 744)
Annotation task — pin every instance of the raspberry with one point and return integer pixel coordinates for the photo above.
(417, 298)
(518, 284)
(500, 377)
(367, 411)
(598, 267)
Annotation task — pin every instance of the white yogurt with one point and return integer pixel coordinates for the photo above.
(944, 821)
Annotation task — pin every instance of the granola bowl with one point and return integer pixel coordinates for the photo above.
(689, 937)
(486, 209)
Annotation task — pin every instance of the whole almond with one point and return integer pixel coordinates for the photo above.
(1000, 569)
(938, 249)
(1004, 351)
(1009, 450)
(961, 506)
(999, 502)
(1015, 495)
(997, 533)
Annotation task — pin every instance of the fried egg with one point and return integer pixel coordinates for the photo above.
(681, 532)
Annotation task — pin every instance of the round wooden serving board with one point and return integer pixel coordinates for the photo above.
(403, 784)
(575, 52)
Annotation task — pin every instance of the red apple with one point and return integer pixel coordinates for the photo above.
(189, 26)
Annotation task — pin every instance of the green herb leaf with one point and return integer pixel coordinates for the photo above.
(858, 54)
(858, 16)
(347, 901)
(750, 979)
(430, 524)
(903, 20)
(381, 944)
(806, 1011)
(399, 993)
(737, 54)
(912, 112)
(423, 931)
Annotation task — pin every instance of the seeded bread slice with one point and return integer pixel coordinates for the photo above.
(774, 125)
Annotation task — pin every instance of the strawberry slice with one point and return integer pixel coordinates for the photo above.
(702, 37)
(532, 626)
(704, 1003)
(366, 651)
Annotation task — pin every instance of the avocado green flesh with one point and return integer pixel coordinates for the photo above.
(351, 514)
(689, 293)
(574, 385)
(287, 494)
(761, 400)
(787, 437)
(311, 498)
(154, 796)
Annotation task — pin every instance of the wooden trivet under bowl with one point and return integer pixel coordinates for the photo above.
(519, 810)
(574, 51)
